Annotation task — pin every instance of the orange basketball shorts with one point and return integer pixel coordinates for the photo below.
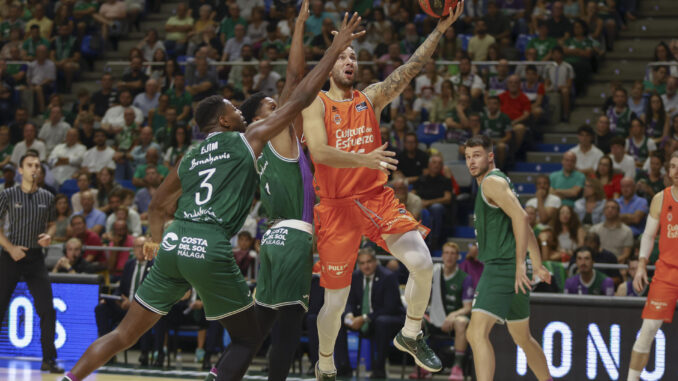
(341, 223)
(663, 294)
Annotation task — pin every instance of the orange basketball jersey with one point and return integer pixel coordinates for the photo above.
(668, 239)
(351, 126)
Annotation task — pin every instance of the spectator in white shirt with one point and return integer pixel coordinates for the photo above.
(100, 156)
(587, 154)
(53, 131)
(621, 161)
(234, 44)
(67, 157)
(267, 79)
(467, 78)
(114, 119)
(148, 100)
(41, 76)
(546, 204)
(670, 99)
(149, 44)
(84, 185)
(559, 80)
(29, 142)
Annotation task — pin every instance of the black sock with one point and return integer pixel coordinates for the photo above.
(246, 338)
(284, 341)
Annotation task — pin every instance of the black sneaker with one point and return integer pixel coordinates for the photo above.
(51, 366)
(320, 376)
(423, 354)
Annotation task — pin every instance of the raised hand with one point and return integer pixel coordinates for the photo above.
(303, 12)
(345, 35)
(447, 21)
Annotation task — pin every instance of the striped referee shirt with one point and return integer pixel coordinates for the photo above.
(27, 214)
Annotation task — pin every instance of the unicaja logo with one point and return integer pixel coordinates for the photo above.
(168, 243)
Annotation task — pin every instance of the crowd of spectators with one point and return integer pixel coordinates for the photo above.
(106, 152)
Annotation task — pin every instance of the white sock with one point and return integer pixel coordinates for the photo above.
(329, 323)
(634, 375)
(411, 250)
(412, 328)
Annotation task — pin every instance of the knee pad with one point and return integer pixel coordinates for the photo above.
(335, 300)
(648, 330)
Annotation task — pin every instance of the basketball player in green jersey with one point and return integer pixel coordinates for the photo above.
(210, 192)
(504, 235)
(287, 197)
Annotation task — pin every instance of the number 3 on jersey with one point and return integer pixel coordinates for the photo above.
(205, 184)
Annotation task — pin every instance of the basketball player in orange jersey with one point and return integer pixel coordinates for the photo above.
(351, 167)
(661, 299)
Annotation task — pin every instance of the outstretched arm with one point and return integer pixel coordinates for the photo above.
(296, 62)
(384, 92)
(284, 143)
(262, 131)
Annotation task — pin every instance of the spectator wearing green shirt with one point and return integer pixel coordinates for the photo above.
(578, 53)
(31, 44)
(152, 160)
(657, 83)
(568, 182)
(179, 98)
(11, 22)
(227, 26)
(543, 44)
(496, 125)
(84, 13)
(163, 135)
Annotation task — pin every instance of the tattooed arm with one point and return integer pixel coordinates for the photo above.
(384, 92)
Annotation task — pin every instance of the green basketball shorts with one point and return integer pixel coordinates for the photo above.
(198, 255)
(286, 256)
(495, 294)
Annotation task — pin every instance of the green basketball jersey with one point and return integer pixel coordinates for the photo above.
(494, 230)
(286, 185)
(218, 180)
(281, 187)
(454, 289)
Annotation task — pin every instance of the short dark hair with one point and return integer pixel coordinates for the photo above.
(78, 216)
(618, 140)
(623, 90)
(544, 176)
(250, 107)
(208, 111)
(581, 249)
(494, 98)
(35, 26)
(29, 153)
(585, 128)
(532, 68)
(416, 138)
(479, 141)
(558, 49)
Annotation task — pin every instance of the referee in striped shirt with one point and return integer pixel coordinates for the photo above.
(31, 215)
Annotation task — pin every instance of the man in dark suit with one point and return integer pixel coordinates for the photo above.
(110, 312)
(374, 307)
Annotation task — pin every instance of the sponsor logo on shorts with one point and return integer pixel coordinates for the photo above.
(658, 305)
(191, 247)
(275, 237)
(169, 242)
(388, 225)
(335, 269)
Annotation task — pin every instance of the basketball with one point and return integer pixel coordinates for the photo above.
(437, 8)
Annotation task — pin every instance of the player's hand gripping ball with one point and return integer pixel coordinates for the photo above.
(437, 8)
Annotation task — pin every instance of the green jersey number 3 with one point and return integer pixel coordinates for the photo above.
(205, 184)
